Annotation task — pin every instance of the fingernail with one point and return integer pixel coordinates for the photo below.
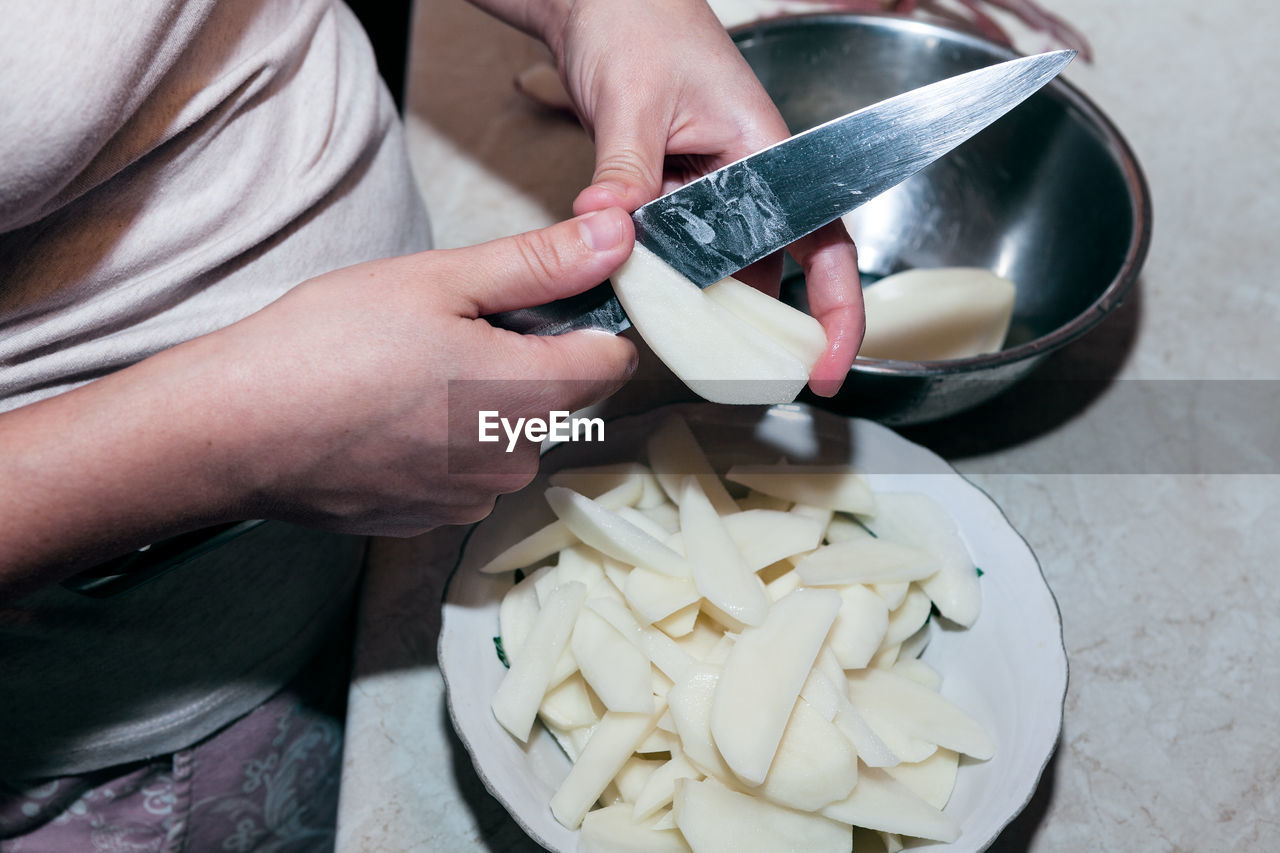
(600, 230)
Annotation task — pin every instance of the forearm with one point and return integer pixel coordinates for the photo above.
(140, 455)
(329, 408)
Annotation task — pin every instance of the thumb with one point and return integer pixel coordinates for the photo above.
(630, 150)
(540, 266)
(577, 369)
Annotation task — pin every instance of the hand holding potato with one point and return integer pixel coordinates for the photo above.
(668, 98)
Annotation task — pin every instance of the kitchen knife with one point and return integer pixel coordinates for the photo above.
(716, 225)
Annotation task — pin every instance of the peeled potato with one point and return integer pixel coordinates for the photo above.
(716, 819)
(797, 332)
(937, 314)
(765, 671)
(721, 357)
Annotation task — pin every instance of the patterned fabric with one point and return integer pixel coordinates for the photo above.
(267, 783)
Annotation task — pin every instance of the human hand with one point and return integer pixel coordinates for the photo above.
(668, 97)
(346, 404)
(365, 383)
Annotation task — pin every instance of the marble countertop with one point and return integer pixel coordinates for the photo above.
(1153, 503)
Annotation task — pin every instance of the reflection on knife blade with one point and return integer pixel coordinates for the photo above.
(733, 215)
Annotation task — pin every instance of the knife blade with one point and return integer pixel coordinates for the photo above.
(732, 217)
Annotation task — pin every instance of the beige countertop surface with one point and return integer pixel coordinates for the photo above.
(1162, 553)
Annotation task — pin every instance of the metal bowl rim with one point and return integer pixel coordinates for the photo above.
(1139, 193)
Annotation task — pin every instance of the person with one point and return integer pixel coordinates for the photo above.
(217, 303)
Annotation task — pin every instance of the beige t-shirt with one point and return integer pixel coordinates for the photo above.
(167, 168)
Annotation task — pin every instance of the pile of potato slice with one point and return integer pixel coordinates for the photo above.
(738, 674)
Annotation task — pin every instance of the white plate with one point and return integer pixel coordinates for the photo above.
(1009, 670)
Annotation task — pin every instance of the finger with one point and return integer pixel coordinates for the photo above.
(540, 266)
(631, 146)
(830, 263)
(575, 370)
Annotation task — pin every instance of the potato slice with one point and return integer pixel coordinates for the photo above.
(570, 741)
(556, 536)
(936, 314)
(616, 571)
(634, 773)
(609, 533)
(722, 577)
(759, 500)
(570, 705)
(820, 694)
(665, 515)
(762, 678)
(880, 802)
(516, 701)
(871, 748)
(611, 830)
(517, 612)
(919, 672)
(679, 623)
(886, 657)
(660, 788)
(865, 561)
(920, 712)
(783, 585)
(657, 745)
(860, 626)
(656, 596)
(893, 592)
(644, 522)
(699, 642)
(595, 480)
(616, 670)
(933, 779)
(766, 536)
(917, 520)
(914, 646)
(718, 356)
(832, 486)
(716, 819)
(821, 514)
(656, 646)
(909, 616)
(889, 729)
(610, 746)
(842, 528)
(674, 453)
(815, 764)
(689, 701)
(580, 563)
(797, 332)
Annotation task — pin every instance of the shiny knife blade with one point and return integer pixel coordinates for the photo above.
(716, 225)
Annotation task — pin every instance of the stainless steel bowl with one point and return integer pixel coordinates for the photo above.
(1049, 196)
